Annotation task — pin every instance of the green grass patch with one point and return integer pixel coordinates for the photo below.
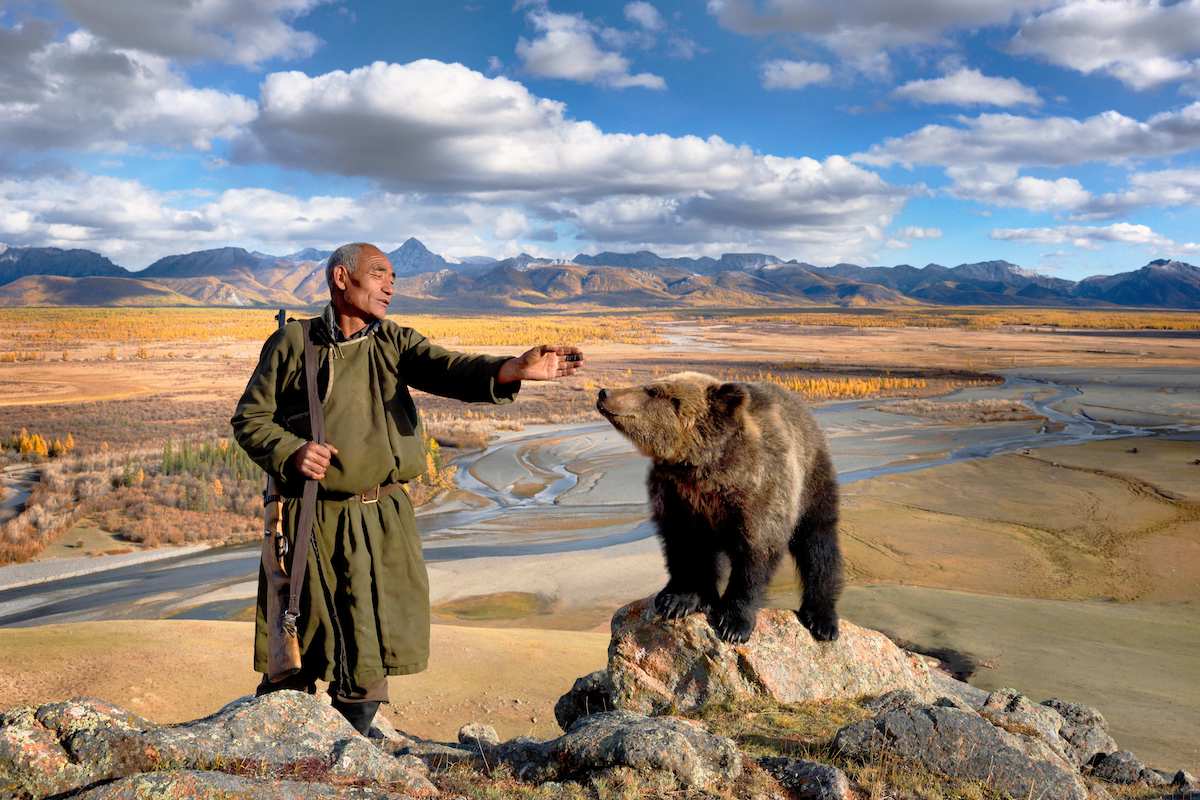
(501, 605)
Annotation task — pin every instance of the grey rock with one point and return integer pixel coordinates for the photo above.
(1084, 730)
(659, 665)
(1124, 767)
(963, 744)
(1016, 713)
(209, 785)
(950, 686)
(696, 758)
(808, 780)
(63, 747)
(954, 701)
(589, 694)
(530, 759)
(892, 701)
(478, 735)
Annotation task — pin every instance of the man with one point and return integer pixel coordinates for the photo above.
(364, 609)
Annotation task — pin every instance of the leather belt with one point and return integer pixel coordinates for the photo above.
(368, 497)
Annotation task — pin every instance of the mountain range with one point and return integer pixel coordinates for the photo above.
(232, 276)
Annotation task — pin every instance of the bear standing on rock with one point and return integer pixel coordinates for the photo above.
(741, 471)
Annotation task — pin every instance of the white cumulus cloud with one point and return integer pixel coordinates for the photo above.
(565, 47)
(134, 224)
(445, 129)
(969, 87)
(783, 74)
(863, 31)
(238, 31)
(1092, 237)
(82, 93)
(645, 15)
(1143, 43)
(1003, 186)
(1047, 141)
(913, 232)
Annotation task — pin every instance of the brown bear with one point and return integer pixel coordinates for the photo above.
(740, 472)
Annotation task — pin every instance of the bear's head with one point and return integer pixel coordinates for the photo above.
(684, 418)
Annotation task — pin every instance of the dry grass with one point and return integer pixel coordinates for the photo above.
(40, 330)
(986, 410)
(977, 318)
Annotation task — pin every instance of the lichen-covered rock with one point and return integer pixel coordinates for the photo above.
(658, 665)
(209, 785)
(1084, 730)
(1016, 713)
(962, 744)
(695, 758)
(1125, 768)
(590, 694)
(478, 735)
(61, 747)
(808, 780)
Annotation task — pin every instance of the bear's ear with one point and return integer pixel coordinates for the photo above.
(726, 398)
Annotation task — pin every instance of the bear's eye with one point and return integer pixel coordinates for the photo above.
(654, 391)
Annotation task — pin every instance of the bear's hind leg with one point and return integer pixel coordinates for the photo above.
(814, 545)
(692, 586)
(750, 571)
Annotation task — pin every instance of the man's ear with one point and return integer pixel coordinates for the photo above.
(340, 278)
(727, 398)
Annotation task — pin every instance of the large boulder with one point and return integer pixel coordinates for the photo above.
(1125, 768)
(657, 665)
(962, 744)
(1084, 731)
(208, 785)
(63, 747)
(590, 694)
(808, 780)
(695, 758)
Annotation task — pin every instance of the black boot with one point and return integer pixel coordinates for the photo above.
(359, 715)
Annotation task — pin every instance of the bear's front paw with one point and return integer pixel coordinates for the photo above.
(823, 625)
(733, 624)
(676, 605)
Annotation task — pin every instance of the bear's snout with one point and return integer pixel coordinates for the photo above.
(600, 398)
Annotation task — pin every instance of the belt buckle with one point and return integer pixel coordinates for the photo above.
(363, 497)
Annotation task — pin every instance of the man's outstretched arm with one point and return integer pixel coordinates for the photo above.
(477, 378)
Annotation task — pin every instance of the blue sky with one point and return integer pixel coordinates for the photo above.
(1063, 135)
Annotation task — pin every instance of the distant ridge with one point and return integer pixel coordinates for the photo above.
(233, 276)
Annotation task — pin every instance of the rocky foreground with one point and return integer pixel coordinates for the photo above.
(677, 713)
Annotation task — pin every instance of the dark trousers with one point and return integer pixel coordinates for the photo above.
(301, 682)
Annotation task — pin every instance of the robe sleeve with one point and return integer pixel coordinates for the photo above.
(254, 427)
(461, 376)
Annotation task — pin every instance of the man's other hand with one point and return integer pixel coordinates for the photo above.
(542, 363)
(312, 459)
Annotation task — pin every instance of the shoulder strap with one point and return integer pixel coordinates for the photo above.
(308, 500)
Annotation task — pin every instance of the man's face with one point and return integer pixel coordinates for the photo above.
(367, 291)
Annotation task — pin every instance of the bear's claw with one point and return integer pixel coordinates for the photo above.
(733, 627)
(674, 605)
(823, 626)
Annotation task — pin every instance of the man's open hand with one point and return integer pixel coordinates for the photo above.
(542, 363)
(312, 459)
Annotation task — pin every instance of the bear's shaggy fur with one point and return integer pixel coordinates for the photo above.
(741, 472)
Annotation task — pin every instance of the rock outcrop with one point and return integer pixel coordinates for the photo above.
(962, 744)
(65, 747)
(861, 703)
(655, 665)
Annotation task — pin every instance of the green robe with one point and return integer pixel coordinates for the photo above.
(364, 608)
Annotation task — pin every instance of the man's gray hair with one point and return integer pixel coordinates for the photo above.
(347, 256)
